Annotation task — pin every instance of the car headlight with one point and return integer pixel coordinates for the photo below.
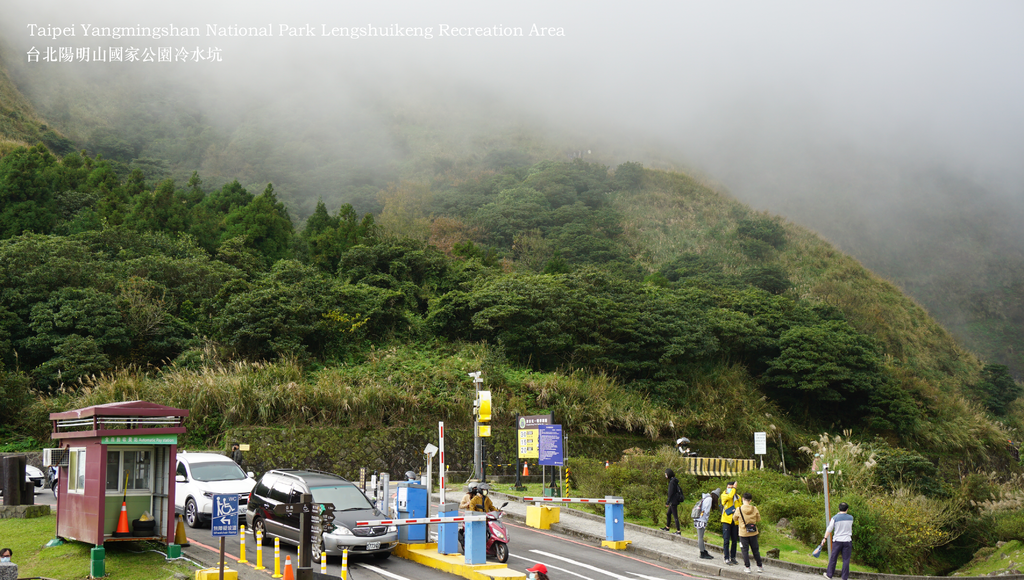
(341, 531)
(392, 529)
(208, 494)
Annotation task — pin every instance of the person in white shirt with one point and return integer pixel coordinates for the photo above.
(841, 528)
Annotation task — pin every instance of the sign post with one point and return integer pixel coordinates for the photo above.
(529, 438)
(550, 451)
(761, 445)
(312, 518)
(224, 522)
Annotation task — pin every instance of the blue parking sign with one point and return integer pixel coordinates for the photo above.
(224, 519)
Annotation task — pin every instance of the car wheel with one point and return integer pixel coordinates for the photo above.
(191, 513)
(259, 526)
(382, 555)
(54, 486)
(317, 552)
(501, 551)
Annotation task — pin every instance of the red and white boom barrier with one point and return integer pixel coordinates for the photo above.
(415, 521)
(618, 500)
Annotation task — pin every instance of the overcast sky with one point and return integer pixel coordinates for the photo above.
(742, 88)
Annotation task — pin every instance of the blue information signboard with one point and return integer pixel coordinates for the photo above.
(224, 521)
(549, 448)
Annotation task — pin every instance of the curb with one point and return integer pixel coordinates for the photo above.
(712, 569)
(426, 555)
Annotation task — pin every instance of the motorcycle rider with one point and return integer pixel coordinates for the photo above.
(480, 502)
(471, 492)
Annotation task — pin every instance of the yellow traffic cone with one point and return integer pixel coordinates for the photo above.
(179, 533)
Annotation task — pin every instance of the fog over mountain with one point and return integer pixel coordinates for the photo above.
(894, 129)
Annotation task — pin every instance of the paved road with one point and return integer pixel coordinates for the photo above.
(360, 567)
(568, 558)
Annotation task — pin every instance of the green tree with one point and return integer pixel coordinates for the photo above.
(28, 182)
(997, 389)
(265, 225)
(828, 367)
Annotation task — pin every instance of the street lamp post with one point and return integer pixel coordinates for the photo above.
(828, 511)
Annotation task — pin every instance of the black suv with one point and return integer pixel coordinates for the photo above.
(284, 486)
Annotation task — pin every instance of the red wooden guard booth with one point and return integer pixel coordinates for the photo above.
(114, 453)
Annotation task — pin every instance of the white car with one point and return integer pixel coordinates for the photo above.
(199, 477)
(36, 476)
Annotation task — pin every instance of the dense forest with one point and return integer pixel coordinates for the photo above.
(540, 260)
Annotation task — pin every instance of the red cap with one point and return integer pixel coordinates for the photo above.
(538, 567)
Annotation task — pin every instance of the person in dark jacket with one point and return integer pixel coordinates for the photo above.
(675, 497)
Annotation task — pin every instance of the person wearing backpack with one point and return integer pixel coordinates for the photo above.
(700, 514)
(675, 497)
(730, 531)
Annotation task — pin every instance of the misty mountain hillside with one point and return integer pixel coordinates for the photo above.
(423, 220)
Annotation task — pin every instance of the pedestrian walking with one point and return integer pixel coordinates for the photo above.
(730, 531)
(841, 528)
(675, 496)
(747, 517)
(701, 513)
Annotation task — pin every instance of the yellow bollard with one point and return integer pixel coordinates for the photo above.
(259, 551)
(241, 540)
(323, 562)
(344, 565)
(277, 559)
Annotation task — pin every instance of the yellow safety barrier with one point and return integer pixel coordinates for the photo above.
(259, 550)
(344, 565)
(718, 466)
(241, 541)
(277, 559)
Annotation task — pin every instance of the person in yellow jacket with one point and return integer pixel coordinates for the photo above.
(730, 531)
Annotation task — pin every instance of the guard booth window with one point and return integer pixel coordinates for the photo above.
(132, 468)
(76, 471)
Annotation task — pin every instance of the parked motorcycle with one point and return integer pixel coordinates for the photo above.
(497, 535)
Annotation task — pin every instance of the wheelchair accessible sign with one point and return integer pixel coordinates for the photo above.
(224, 521)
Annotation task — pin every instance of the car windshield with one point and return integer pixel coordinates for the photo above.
(216, 471)
(344, 497)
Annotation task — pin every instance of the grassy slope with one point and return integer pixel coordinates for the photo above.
(677, 214)
(19, 123)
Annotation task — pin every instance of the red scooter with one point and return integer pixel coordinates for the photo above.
(497, 535)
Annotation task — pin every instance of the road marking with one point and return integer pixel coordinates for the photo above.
(570, 572)
(381, 571)
(577, 563)
(645, 576)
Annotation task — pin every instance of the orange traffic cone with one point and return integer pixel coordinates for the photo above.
(122, 522)
(526, 472)
(288, 573)
(179, 533)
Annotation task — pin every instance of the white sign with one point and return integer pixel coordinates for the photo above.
(760, 443)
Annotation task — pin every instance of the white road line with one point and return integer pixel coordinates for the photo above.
(580, 564)
(645, 576)
(532, 561)
(381, 571)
